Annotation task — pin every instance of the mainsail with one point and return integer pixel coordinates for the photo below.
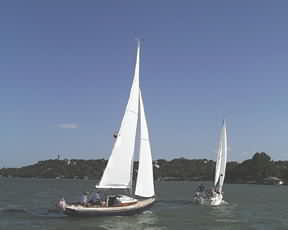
(145, 181)
(218, 162)
(221, 159)
(118, 172)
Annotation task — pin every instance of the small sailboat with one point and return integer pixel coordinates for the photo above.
(117, 179)
(214, 196)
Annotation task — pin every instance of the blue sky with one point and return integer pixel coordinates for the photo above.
(66, 69)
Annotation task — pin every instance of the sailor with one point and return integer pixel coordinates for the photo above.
(95, 198)
(201, 188)
(61, 204)
(111, 200)
(209, 192)
(84, 198)
(213, 192)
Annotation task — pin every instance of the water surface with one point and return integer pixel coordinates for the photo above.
(28, 204)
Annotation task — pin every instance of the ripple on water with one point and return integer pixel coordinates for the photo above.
(146, 220)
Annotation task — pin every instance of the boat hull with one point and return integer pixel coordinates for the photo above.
(210, 201)
(140, 206)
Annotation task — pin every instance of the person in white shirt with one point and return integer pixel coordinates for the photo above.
(84, 199)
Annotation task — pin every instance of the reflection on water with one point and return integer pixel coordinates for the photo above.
(146, 220)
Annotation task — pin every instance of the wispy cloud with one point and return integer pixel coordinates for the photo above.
(68, 126)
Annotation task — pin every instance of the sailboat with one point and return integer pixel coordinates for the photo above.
(214, 196)
(118, 174)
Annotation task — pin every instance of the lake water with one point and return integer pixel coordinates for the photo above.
(28, 204)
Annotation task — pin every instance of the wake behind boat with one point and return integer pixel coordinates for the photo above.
(214, 195)
(118, 174)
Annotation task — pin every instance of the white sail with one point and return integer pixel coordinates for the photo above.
(223, 158)
(118, 171)
(145, 181)
(218, 162)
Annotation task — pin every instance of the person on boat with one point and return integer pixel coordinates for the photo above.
(201, 188)
(213, 192)
(61, 204)
(84, 198)
(210, 192)
(95, 199)
(112, 200)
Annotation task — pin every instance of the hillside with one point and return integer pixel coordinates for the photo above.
(253, 170)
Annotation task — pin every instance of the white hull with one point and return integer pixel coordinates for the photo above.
(211, 201)
(131, 209)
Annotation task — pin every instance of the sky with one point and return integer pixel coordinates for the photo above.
(66, 69)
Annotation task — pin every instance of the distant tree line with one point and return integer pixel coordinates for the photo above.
(253, 170)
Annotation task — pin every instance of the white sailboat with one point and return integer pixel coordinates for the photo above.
(118, 174)
(214, 196)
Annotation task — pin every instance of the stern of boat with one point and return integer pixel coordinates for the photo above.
(216, 200)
